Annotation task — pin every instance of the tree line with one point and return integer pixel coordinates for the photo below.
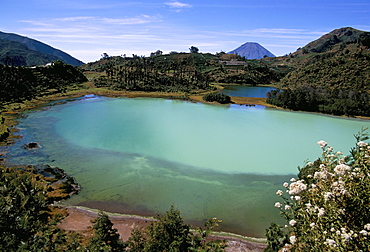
(154, 74)
(318, 99)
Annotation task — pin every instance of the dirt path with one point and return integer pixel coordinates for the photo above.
(79, 220)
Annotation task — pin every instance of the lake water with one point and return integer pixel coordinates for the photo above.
(139, 156)
(246, 91)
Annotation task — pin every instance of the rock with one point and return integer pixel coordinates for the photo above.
(31, 146)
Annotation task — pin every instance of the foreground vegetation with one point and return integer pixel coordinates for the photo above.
(28, 221)
(327, 208)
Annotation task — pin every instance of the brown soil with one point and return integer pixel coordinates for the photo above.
(79, 220)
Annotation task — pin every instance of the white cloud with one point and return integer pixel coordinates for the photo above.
(178, 5)
(141, 19)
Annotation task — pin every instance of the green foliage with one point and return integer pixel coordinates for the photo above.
(23, 209)
(329, 204)
(346, 71)
(174, 72)
(169, 233)
(159, 73)
(105, 236)
(276, 238)
(217, 97)
(329, 75)
(18, 83)
(14, 53)
(309, 98)
(252, 72)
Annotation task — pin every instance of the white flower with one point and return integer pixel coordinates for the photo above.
(278, 204)
(312, 225)
(308, 205)
(293, 180)
(286, 184)
(339, 153)
(321, 212)
(279, 192)
(327, 195)
(292, 222)
(332, 229)
(341, 169)
(367, 226)
(313, 186)
(297, 198)
(322, 143)
(292, 239)
(364, 232)
(297, 187)
(331, 242)
(309, 164)
(362, 144)
(287, 207)
(346, 237)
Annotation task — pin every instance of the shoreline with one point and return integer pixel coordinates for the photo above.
(79, 220)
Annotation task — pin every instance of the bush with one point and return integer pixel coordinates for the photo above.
(217, 97)
(328, 207)
(170, 233)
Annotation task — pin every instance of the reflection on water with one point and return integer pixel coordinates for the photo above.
(139, 156)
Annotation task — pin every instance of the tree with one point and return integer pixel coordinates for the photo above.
(104, 56)
(194, 49)
(105, 236)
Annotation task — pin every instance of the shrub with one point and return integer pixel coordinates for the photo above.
(327, 208)
(217, 97)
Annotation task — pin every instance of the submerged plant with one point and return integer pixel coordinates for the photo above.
(327, 208)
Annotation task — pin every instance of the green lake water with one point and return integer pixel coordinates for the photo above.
(139, 156)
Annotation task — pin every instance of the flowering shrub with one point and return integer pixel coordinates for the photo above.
(327, 208)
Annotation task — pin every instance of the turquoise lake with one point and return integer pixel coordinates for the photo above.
(139, 156)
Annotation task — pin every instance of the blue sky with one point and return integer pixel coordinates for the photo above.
(87, 28)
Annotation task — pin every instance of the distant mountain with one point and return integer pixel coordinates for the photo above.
(26, 51)
(252, 50)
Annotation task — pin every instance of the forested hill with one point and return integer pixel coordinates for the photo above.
(185, 72)
(18, 54)
(32, 53)
(339, 59)
(331, 75)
